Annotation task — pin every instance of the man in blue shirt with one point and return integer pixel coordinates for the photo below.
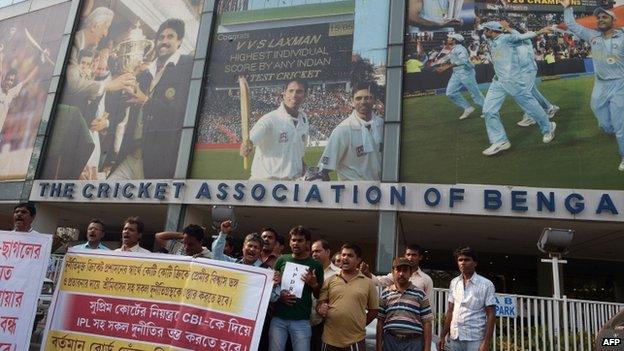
(463, 75)
(607, 51)
(95, 233)
(508, 81)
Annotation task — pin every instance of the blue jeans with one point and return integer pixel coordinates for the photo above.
(456, 345)
(300, 334)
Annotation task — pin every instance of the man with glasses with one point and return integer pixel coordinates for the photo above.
(95, 233)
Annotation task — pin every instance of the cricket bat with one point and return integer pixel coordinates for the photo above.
(244, 108)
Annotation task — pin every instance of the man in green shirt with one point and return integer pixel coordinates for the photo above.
(292, 314)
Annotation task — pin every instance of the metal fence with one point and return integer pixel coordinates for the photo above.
(54, 267)
(543, 323)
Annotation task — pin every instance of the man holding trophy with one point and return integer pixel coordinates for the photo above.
(157, 105)
(435, 14)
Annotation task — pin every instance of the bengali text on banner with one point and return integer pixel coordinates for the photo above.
(113, 301)
(23, 260)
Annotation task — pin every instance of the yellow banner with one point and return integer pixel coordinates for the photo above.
(197, 285)
(64, 341)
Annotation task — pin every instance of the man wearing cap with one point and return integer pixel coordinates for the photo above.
(463, 75)
(508, 81)
(405, 316)
(607, 51)
(528, 67)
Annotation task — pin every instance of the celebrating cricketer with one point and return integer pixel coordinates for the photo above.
(463, 75)
(607, 51)
(509, 80)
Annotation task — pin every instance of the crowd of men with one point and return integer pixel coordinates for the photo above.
(428, 47)
(340, 295)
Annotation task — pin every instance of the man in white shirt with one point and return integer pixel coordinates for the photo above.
(280, 138)
(420, 279)
(131, 235)
(23, 216)
(322, 253)
(354, 146)
(470, 317)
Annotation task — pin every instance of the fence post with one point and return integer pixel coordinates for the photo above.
(566, 335)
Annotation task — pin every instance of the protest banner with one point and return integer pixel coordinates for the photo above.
(23, 260)
(116, 301)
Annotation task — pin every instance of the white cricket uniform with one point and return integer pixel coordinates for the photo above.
(280, 145)
(5, 101)
(345, 151)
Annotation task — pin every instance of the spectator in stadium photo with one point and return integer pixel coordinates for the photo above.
(405, 315)
(280, 138)
(607, 51)
(353, 150)
(470, 318)
(464, 75)
(526, 59)
(508, 81)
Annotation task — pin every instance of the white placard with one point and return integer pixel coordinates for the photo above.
(292, 278)
(23, 261)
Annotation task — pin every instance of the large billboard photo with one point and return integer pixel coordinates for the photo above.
(29, 45)
(528, 94)
(294, 91)
(125, 94)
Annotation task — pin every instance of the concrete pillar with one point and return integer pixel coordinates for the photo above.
(387, 240)
(46, 220)
(193, 215)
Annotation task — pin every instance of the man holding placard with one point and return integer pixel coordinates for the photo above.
(301, 277)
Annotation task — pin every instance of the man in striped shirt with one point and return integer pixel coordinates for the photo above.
(404, 319)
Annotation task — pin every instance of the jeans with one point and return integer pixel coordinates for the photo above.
(299, 330)
(456, 345)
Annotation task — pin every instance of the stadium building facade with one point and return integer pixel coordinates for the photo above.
(108, 117)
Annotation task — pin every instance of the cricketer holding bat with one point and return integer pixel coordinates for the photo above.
(463, 75)
(607, 49)
(508, 80)
(354, 146)
(10, 88)
(280, 138)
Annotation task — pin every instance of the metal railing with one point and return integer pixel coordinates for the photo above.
(543, 323)
(54, 267)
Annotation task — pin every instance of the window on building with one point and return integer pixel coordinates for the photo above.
(5, 3)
